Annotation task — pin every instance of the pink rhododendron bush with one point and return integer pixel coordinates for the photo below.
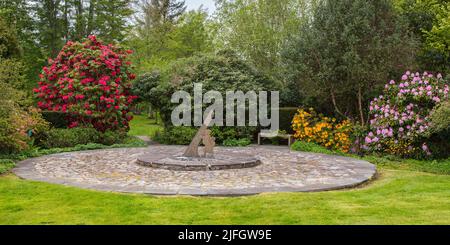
(91, 83)
(400, 118)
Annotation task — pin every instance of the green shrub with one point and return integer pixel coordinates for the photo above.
(17, 124)
(129, 141)
(440, 118)
(286, 115)
(237, 142)
(176, 135)
(310, 147)
(70, 137)
(439, 136)
(221, 72)
(6, 165)
(221, 134)
(112, 137)
(56, 119)
(59, 137)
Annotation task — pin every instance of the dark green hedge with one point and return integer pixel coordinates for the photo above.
(286, 116)
(56, 119)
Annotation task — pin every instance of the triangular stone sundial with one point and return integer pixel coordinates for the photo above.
(202, 135)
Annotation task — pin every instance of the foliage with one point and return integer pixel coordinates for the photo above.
(141, 125)
(17, 125)
(110, 20)
(62, 137)
(160, 40)
(440, 118)
(428, 19)
(16, 13)
(56, 119)
(222, 134)
(221, 72)
(300, 145)
(6, 165)
(63, 20)
(9, 45)
(58, 138)
(17, 119)
(316, 128)
(176, 135)
(144, 87)
(37, 152)
(438, 38)
(345, 52)
(112, 137)
(12, 73)
(237, 142)
(91, 82)
(439, 132)
(257, 29)
(401, 116)
(286, 115)
(12, 70)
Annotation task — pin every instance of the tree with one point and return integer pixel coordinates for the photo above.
(159, 12)
(438, 38)
(346, 52)
(110, 18)
(50, 25)
(16, 117)
(11, 69)
(9, 45)
(18, 15)
(257, 29)
(157, 42)
(159, 17)
(63, 20)
(429, 20)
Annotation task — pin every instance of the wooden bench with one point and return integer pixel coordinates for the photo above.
(275, 134)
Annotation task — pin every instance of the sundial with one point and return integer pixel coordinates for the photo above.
(192, 160)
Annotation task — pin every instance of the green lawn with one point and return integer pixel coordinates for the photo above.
(142, 126)
(403, 194)
(397, 197)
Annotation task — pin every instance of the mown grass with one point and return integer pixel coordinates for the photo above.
(397, 197)
(439, 166)
(142, 126)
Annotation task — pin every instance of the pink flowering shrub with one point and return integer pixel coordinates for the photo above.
(400, 117)
(91, 82)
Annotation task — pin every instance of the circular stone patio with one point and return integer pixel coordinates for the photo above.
(117, 170)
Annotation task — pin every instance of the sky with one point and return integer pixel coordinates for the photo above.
(207, 4)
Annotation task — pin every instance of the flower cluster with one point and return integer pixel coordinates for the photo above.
(400, 117)
(325, 131)
(91, 82)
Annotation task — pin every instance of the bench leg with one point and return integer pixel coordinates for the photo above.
(259, 139)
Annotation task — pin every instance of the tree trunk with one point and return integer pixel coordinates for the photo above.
(333, 100)
(90, 24)
(360, 107)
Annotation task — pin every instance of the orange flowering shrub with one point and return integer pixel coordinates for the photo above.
(316, 128)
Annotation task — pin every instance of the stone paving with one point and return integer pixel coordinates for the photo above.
(116, 170)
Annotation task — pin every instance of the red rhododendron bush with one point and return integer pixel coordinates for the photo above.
(91, 82)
